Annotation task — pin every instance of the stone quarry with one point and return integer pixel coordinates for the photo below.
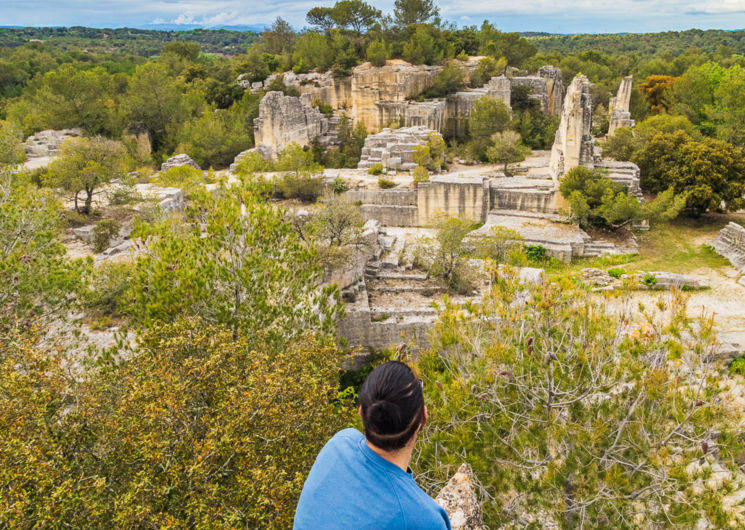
(287, 119)
(394, 149)
(618, 107)
(381, 96)
(574, 145)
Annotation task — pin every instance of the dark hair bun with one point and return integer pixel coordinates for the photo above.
(392, 405)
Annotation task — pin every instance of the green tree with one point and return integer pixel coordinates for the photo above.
(186, 50)
(407, 12)
(590, 424)
(728, 111)
(377, 52)
(280, 38)
(312, 51)
(38, 282)
(506, 148)
(83, 165)
(12, 151)
(431, 155)
(487, 117)
(157, 100)
(422, 47)
(622, 145)
(449, 80)
(247, 271)
(445, 255)
(487, 68)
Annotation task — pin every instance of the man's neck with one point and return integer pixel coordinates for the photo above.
(400, 457)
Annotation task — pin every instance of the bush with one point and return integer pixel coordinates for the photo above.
(377, 53)
(385, 183)
(251, 163)
(124, 194)
(738, 366)
(616, 273)
(420, 174)
(649, 280)
(303, 186)
(536, 253)
(104, 231)
(376, 169)
(339, 185)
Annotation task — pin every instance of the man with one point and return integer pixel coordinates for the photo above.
(364, 481)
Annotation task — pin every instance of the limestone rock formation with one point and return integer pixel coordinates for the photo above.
(460, 501)
(618, 107)
(573, 144)
(393, 148)
(169, 199)
(178, 160)
(46, 143)
(547, 87)
(730, 243)
(286, 119)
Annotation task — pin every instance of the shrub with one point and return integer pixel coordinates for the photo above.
(377, 53)
(376, 169)
(303, 186)
(339, 185)
(535, 253)
(103, 232)
(385, 183)
(124, 194)
(420, 174)
(649, 280)
(738, 366)
(251, 163)
(615, 273)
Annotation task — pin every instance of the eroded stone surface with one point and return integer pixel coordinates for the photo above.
(460, 501)
(46, 144)
(394, 149)
(177, 161)
(730, 243)
(573, 144)
(618, 107)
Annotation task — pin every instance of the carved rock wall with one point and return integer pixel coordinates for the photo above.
(46, 143)
(618, 106)
(393, 148)
(286, 119)
(730, 243)
(573, 144)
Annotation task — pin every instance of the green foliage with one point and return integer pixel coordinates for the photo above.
(422, 47)
(487, 68)
(385, 183)
(506, 148)
(431, 155)
(595, 200)
(501, 244)
(622, 145)
(616, 273)
(303, 186)
(189, 179)
(420, 174)
(407, 12)
(524, 384)
(104, 231)
(247, 271)
(12, 151)
(376, 169)
(649, 280)
(449, 80)
(37, 279)
(252, 163)
(377, 52)
(83, 165)
(311, 51)
(536, 253)
(338, 223)
(445, 255)
(738, 366)
(228, 426)
(487, 117)
(339, 186)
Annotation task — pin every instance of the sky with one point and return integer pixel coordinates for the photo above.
(554, 16)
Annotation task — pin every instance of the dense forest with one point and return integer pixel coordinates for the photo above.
(224, 376)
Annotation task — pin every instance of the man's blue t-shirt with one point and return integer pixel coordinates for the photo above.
(351, 487)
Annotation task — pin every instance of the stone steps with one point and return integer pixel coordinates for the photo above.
(598, 248)
(555, 217)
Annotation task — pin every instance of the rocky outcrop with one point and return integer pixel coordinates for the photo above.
(573, 144)
(730, 243)
(169, 199)
(547, 87)
(618, 107)
(287, 119)
(460, 501)
(177, 161)
(393, 148)
(46, 144)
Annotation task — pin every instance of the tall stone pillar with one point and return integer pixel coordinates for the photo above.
(618, 107)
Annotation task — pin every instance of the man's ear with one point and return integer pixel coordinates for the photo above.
(426, 415)
(359, 410)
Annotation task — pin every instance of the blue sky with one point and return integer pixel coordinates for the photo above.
(558, 16)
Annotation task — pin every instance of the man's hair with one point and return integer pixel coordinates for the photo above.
(392, 405)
